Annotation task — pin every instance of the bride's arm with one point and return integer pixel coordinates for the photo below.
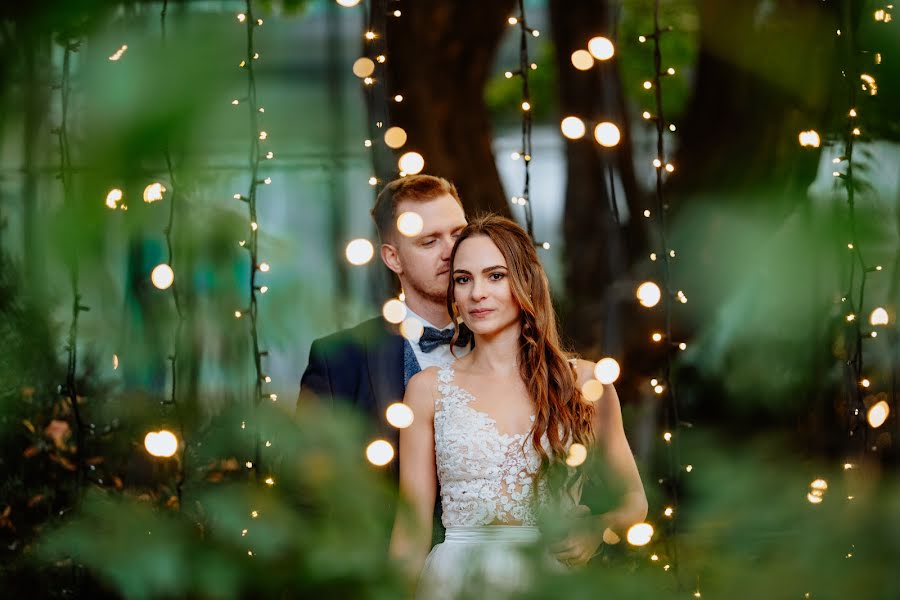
(411, 537)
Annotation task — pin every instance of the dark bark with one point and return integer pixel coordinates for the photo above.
(439, 58)
(599, 248)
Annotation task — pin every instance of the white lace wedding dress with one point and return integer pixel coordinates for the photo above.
(486, 479)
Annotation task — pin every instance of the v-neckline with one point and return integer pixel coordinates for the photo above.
(470, 397)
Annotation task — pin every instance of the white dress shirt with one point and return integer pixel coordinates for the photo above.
(440, 356)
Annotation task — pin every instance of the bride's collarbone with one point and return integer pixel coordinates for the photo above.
(504, 399)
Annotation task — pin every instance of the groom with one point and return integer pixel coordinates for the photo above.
(368, 366)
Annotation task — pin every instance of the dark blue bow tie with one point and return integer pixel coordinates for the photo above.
(432, 338)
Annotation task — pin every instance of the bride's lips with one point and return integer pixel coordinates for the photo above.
(481, 312)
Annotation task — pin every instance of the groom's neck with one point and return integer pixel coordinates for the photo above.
(434, 313)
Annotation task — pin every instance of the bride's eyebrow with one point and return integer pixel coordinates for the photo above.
(494, 268)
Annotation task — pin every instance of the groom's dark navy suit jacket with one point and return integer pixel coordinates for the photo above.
(367, 367)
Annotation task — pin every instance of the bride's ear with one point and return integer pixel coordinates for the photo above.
(391, 258)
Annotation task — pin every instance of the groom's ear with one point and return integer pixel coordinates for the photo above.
(390, 258)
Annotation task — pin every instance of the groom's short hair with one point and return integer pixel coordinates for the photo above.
(412, 187)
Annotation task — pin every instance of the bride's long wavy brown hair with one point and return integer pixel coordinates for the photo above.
(560, 410)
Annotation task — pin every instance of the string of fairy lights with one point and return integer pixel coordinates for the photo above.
(149, 193)
(257, 267)
(69, 389)
(525, 153)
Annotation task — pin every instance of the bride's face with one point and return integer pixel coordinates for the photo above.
(482, 290)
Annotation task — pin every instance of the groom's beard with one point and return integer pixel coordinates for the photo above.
(438, 294)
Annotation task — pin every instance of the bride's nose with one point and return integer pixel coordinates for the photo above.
(479, 289)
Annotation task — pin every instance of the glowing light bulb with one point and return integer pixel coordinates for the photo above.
(878, 414)
(656, 337)
(380, 453)
(667, 436)
(115, 361)
(395, 137)
(270, 481)
(879, 316)
(670, 168)
(410, 223)
(526, 106)
(264, 267)
(649, 294)
(263, 135)
(648, 85)
(161, 443)
(512, 20)
(669, 511)
(412, 329)
(398, 98)
(682, 346)
(658, 389)
(348, 3)
(241, 17)
(162, 276)
(153, 193)
(359, 251)
(370, 35)
(399, 415)
(394, 311)
(573, 128)
(670, 71)
(592, 390)
(607, 134)
(639, 534)
(411, 163)
(373, 181)
(113, 198)
(582, 60)
(363, 67)
(646, 115)
(601, 48)
(545, 245)
(607, 370)
(577, 455)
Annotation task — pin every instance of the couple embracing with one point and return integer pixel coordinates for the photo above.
(497, 402)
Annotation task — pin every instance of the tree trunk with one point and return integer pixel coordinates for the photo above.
(439, 56)
(599, 246)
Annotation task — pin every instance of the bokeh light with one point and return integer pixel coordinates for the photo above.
(412, 329)
(363, 67)
(394, 311)
(810, 139)
(573, 128)
(607, 370)
(359, 251)
(582, 60)
(162, 276)
(161, 443)
(592, 390)
(878, 414)
(399, 415)
(601, 48)
(380, 453)
(113, 198)
(153, 192)
(649, 294)
(607, 134)
(879, 316)
(395, 137)
(411, 163)
(410, 223)
(639, 534)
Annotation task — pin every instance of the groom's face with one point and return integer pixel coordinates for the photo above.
(423, 260)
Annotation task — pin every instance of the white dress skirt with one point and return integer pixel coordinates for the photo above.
(486, 562)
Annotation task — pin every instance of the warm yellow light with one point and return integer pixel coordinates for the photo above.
(670, 168)
(113, 198)
(395, 137)
(370, 35)
(869, 84)
(241, 17)
(368, 80)
(582, 60)
(819, 484)
(865, 383)
(879, 316)
(640, 534)
(607, 370)
(810, 139)
(577, 455)
(573, 128)
(412, 329)
(813, 498)
(607, 134)
(263, 135)
(601, 48)
(153, 192)
(363, 67)
(689, 468)
(380, 453)
(646, 115)
(399, 415)
(411, 163)
(359, 251)
(878, 414)
(115, 361)
(512, 20)
(161, 443)
(526, 106)
(669, 511)
(162, 276)
(657, 163)
(658, 389)
(682, 346)
(373, 181)
(348, 3)
(592, 390)
(381, 58)
(264, 267)
(648, 85)
(656, 337)
(394, 311)
(270, 481)
(410, 223)
(398, 98)
(649, 294)
(667, 436)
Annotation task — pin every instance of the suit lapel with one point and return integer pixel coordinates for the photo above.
(384, 358)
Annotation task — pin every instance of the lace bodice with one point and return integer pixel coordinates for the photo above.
(486, 477)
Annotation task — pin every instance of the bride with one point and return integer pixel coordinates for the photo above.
(494, 427)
